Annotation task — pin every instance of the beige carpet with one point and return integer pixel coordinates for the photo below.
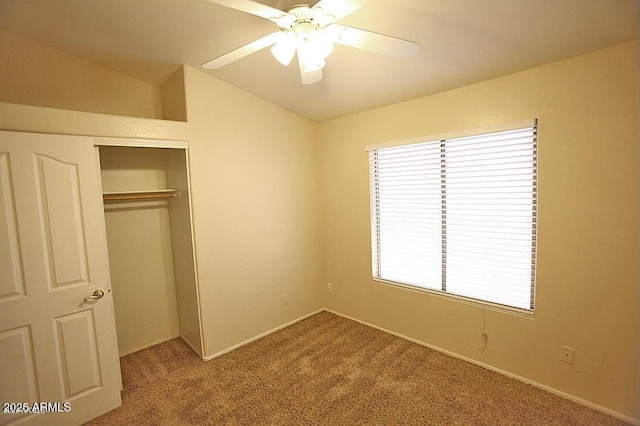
(329, 370)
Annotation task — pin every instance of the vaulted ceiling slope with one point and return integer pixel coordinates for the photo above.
(462, 42)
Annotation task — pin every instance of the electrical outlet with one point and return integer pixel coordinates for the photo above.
(566, 354)
(329, 287)
(285, 299)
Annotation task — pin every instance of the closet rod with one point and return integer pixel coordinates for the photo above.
(163, 194)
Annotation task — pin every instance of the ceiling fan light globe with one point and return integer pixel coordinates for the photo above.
(313, 50)
(320, 43)
(283, 51)
(309, 59)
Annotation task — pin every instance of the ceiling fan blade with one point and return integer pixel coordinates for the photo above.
(254, 8)
(243, 51)
(338, 9)
(309, 77)
(374, 42)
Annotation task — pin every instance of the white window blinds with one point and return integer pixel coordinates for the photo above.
(458, 215)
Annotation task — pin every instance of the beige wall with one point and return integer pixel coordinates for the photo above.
(40, 75)
(587, 274)
(174, 104)
(254, 188)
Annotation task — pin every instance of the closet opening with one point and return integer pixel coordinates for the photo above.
(150, 242)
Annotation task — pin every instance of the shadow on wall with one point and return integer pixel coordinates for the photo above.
(71, 83)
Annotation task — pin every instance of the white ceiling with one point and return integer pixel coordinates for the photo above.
(462, 42)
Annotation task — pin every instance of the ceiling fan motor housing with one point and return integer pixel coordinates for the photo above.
(302, 13)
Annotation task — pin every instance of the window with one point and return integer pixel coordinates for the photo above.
(458, 215)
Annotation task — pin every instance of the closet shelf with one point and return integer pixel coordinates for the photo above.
(160, 194)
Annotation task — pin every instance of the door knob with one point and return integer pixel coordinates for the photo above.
(98, 294)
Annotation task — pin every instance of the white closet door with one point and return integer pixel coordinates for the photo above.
(55, 347)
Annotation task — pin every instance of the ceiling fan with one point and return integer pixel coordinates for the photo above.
(311, 33)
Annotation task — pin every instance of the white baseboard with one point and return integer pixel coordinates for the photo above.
(266, 333)
(554, 391)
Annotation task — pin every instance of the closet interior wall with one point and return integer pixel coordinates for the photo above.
(150, 248)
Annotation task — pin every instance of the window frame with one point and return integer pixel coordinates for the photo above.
(375, 240)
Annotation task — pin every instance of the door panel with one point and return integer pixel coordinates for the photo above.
(58, 345)
(11, 280)
(77, 346)
(18, 382)
(61, 215)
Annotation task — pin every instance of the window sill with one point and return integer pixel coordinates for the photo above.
(524, 313)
